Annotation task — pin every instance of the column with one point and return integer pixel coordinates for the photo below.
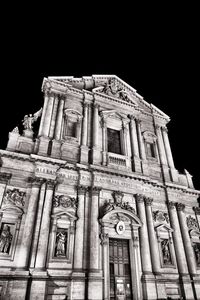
(144, 239)
(142, 148)
(95, 124)
(161, 148)
(134, 139)
(162, 155)
(167, 147)
(53, 117)
(186, 239)
(96, 155)
(94, 230)
(141, 143)
(148, 279)
(78, 249)
(45, 226)
(47, 120)
(46, 97)
(125, 130)
(29, 225)
(57, 133)
(179, 249)
(152, 237)
(105, 247)
(104, 140)
(134, 146)
(85, 125)
(37, 225)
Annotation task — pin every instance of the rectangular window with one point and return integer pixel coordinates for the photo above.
(114, 142)
(150, 149)
(71, 128)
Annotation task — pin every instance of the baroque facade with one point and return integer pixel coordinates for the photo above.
(92, 206)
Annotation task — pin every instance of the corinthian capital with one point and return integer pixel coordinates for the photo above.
(139, 198)
(180, 206)
(148, 201)
(158, 127)
(164, 129)
(171, 205)
(197, 210)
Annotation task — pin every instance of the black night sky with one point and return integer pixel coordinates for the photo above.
(156, 52)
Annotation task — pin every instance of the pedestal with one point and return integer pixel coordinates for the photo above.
(96, 156)
(84, 154)
(55, 150)
(95, 286)
(174, 175)
(136, 164)
(78, 286)
(43, 145)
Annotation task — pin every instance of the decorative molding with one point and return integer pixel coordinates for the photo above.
(116, 202)
(192, 223)
(196, 210)
(171, 204)
(14, 197)
(180, 206)
(65, 201)
(4, 177)
(148, 201)
(104, 237)
(160, 216)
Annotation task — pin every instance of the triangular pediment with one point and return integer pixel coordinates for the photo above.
(109, 86)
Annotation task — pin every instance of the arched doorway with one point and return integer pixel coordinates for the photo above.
(121, 257)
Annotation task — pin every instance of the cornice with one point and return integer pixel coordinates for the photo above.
(184, 189)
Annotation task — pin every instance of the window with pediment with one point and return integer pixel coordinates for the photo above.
(72, 123)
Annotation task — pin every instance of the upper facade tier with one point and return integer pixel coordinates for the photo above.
(100, 121)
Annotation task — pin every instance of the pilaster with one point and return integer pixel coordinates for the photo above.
(96, 155)
(144, 163)
(186, 239)
(40, 262)
(136, 164)
(24, 252)
(84, 148)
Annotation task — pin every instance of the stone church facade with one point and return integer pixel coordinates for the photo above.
(92, 206)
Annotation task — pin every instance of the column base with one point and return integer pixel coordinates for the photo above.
(78, 285)
(136, 164)
(149, 287)
(166, 174)
(95, 286)
(145, 167)
(55, 150)
(43, 145)
(96, 156)
(84, 154)
(174, 175)
(185, 281)
(38, 289)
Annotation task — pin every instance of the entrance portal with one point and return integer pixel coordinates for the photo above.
(120, 274)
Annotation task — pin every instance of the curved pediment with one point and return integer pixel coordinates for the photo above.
(119, 213)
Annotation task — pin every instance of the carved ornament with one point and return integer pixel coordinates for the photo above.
(192, 222)
(65, 201)
(104, 237)
(197, 210)
(180, 206)
(159, 216)
(116, 202)
(14, 197)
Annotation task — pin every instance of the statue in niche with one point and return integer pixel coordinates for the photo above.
(30, 119)
(197, 253)
(5, 239)
(166, 252)
(61, 238)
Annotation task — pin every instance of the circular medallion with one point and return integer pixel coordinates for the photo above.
(120, 228)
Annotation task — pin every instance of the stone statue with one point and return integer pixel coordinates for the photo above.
(61, 243)
(30, 119)
(5, 239)
(165, 251)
